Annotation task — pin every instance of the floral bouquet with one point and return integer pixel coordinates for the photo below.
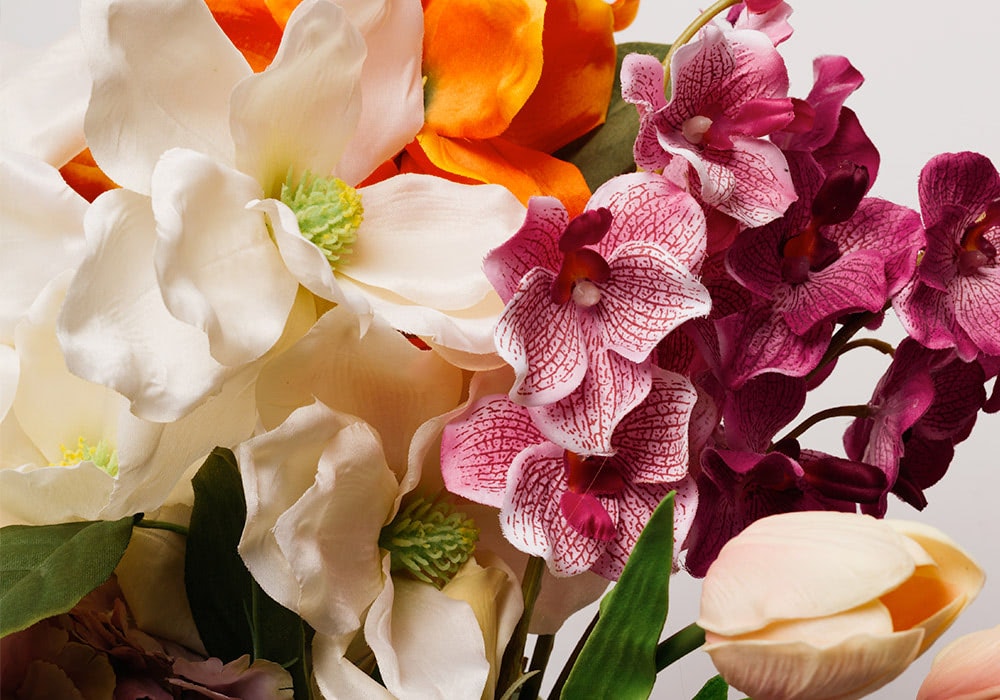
(347, 348)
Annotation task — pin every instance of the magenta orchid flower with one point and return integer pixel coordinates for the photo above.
(767, 16)
(833, 253)
(728, 93)
(954, 299)
(578, 512)
(743, 477)
(588, 299)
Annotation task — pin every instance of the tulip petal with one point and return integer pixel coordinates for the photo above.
(252, 28)
(474, 88)
(966, 669)
(163, 72)
(218, 268)
(299, 114)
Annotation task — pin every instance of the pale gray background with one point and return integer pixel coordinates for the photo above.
(931, 87)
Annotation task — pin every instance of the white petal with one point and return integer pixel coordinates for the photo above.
(163, 72)
(49, 495)
(218, 268)
(424, 239)
(299, 113)
(427, 644)
(10, 369)
(339, 678)
(318, 493)
(115, 328)
(392, 106)
(44, 103)
(798, 565)
(380, 377)
(41, 233)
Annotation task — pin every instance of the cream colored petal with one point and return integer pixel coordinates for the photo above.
(424, 239)
(428, 645)
(10, 369)
(48, 495)
(299, 113)
(45, 99)
(114, 327)
(801, 565)
(163, 72)
(872, 619)
(381, 377)
(966, 669)
(151, 575)
(793, 670)
(392, 105)
(41, 232)
(218, 268)
(337, 677)
(318, 493)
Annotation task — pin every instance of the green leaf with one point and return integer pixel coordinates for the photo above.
(631, 620)
(715, 689)
(607, 150)
(46, 569)
(233, 614)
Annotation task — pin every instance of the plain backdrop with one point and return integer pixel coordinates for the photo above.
(930, 88)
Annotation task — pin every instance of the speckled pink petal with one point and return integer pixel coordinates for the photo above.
(542, 341)
(478, 448)
(536, 244)
(967, 180)
(648, 295)
(642, 86)
(584, 421)
(531, 517)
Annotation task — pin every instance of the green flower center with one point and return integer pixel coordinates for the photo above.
(103, 455)
(429, 541)
(329, 212)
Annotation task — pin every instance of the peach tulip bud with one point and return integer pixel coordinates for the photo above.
(966, 669)
(829, 605)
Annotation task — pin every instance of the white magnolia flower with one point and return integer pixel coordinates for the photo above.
(72, 450)
(242, 168)
(349, 422)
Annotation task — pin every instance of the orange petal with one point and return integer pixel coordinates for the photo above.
(83, 175)
(281, 9)
(523, 171)
(624, 11)
(251, 27)
(482, 59)
(575, 88)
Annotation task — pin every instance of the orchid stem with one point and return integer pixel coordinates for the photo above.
(857, 411)
(539, 660)
(880, 345)
(512, 665)
(842, 337)
(692, 29)
(680, 643)
(568, 666)
(163, 525)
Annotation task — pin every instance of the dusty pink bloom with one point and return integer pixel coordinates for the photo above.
(579, 512)
(588, 299)
(728, 93)
(954, 299)
(966, 669)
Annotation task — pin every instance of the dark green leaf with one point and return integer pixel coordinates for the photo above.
(234, 616)
(631, 619)
(715, 689)
(607, 150)
(46, 569)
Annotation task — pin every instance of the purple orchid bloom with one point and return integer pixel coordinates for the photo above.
(579, 512)
(743, 477)
(954, 299)
(833, 253)
(729, 91)
(925, 403)
(588, 299)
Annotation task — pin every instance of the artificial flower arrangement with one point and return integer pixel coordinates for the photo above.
(340, 353)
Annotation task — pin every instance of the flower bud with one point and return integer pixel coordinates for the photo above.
(966, 669)
(830, 605)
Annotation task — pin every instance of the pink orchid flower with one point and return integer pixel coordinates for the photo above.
(588, 299)
(954, 299)
(579, 512)
(728, 93)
